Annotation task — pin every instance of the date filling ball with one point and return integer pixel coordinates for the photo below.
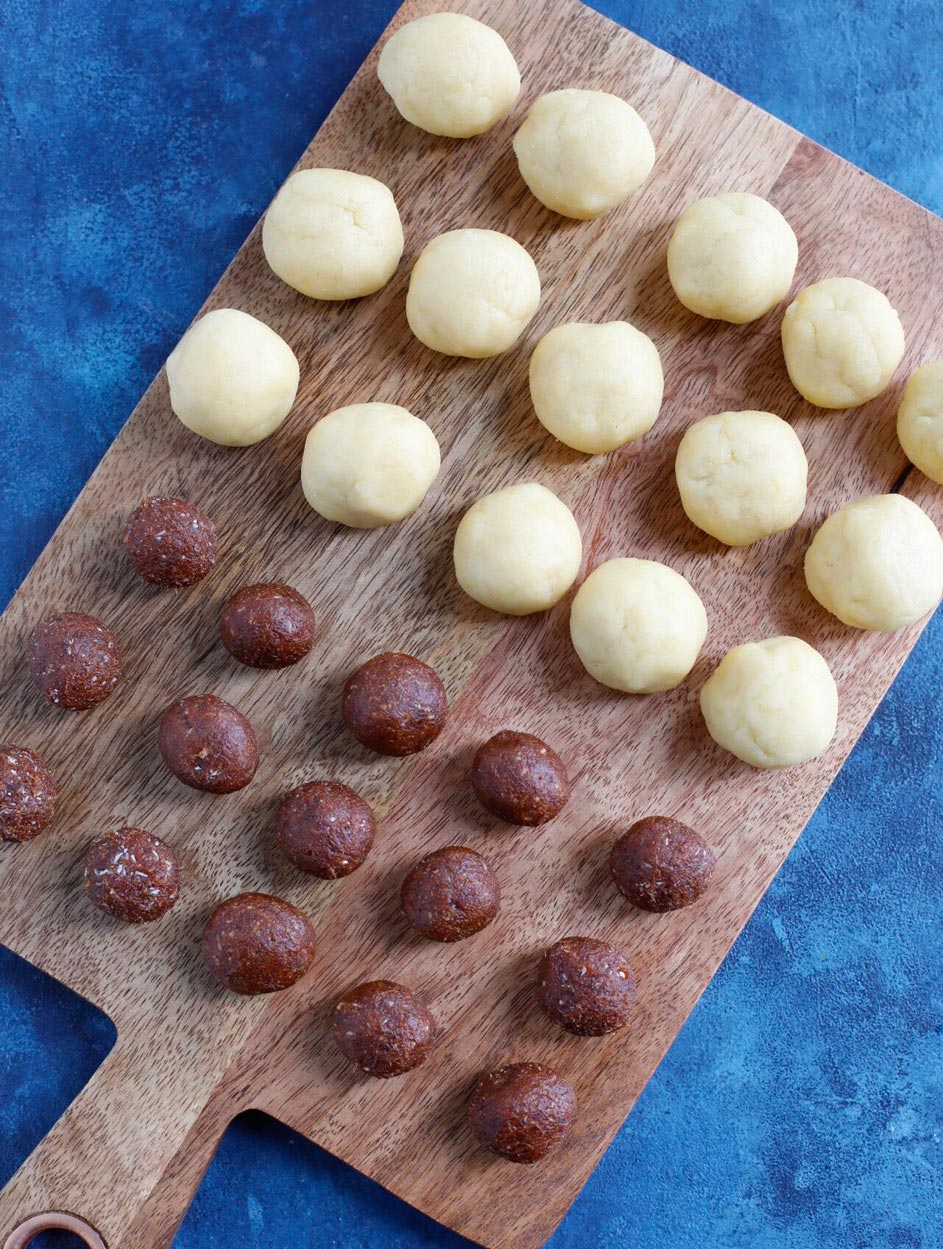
(519, 778)
(325, 829)
(586, 986)
(132, 876)
(383, 1028)
(74, 660)
(269, 625)
(170, 542)
(394, 704)
(661, 865)
(450, 894)
(27, 794)
(208, 744)
(522, 1112)
(254, 943)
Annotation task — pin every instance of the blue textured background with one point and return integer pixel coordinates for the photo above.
(802, 1106)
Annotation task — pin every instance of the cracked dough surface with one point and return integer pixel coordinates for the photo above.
(772, 704)
(449, 74)
(732, 257)
(877, 563)
(637, 625)
(920, 420)
(332, 234)
(596, 387)
(582, 152)
(741, 476)
(842, 341)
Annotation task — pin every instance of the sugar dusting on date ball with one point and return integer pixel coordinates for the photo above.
(27, 794)
(450, 894)
(586, 986)
(394, 704)
(383, 1028)
(132, 875)
(519, 778)
(171, 543)
(208, 744)
(254, 943)
(661, 865)
(523, 1111)
(269, 625)
(325, 828)
(74, 660)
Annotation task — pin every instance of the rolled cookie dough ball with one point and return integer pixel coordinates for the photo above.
(732, 257)
(842, 341)
(518, 550)
(582, 152)
(741, 476)
(772, 704)
(472, 293)
(877, 563)
(368, 464)
(920, 420)
(449, 74)
(596, 387)
(333, 234)
(232, 379)
(637, 626)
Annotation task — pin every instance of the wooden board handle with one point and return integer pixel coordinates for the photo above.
(54, 1220)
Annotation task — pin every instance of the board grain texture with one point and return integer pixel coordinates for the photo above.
(131, 1149)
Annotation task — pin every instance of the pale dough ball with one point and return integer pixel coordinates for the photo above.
(732, 257)
(637, 626)
(582, 152)
(232, 379)
(596, 387)
(518, 550)
(772, 703)
(741, 476)
(368, 464)
(842, 341)
(472, 293)
(877, 563)
(449, 74)
(333, 234)
(920, 420)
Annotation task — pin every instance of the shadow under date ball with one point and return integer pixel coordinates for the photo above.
(74, 660)
(522, 1112)
(269, 625)
(27, 794)
(519, 778)
(383, 1028)
(661, 865)
(394, 704)
(325, 828)
(586, 986)
(208, 744)
(450, 894)
(132, 875)
(171, 543)
(254, 943)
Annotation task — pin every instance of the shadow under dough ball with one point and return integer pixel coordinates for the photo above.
(270, 625)
(586, 986)
(27, 794)
(74, 660)
(325, 829)
(394, 704)
(519, 778)
(450, 894)
(208, 744)
(523, 1111)
(132, 875)
(661, 865)
(383, 1028)
(170, 542)
(254, 943)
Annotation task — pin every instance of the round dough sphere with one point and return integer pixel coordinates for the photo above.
(741, 476)
(472, 293)
(877, 563)
(637, 626)
(596, 387)
(842, 341)
(582, 152)
(368, 464)
(449, 74)
(920, 420)
(518, 550)
(772, 704)
(732, 257)
(333, 234)
(232, 379)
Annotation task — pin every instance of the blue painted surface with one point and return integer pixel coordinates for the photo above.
(802, 1106)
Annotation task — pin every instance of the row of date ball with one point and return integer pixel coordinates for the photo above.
(396, 705)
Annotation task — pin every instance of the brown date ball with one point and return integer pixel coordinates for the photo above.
(394, 704)
(660, 864)
(519, 778)
(383, 1028)
(267, 626)
(208, 744)
(522, 1112)
(324, 828)
(74, 660)
(132, 876)
(450, 894)
(171, 542)
(254, 943)
(27, 794)
(586, 986)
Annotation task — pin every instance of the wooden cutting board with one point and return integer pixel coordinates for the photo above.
(131, 1149)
